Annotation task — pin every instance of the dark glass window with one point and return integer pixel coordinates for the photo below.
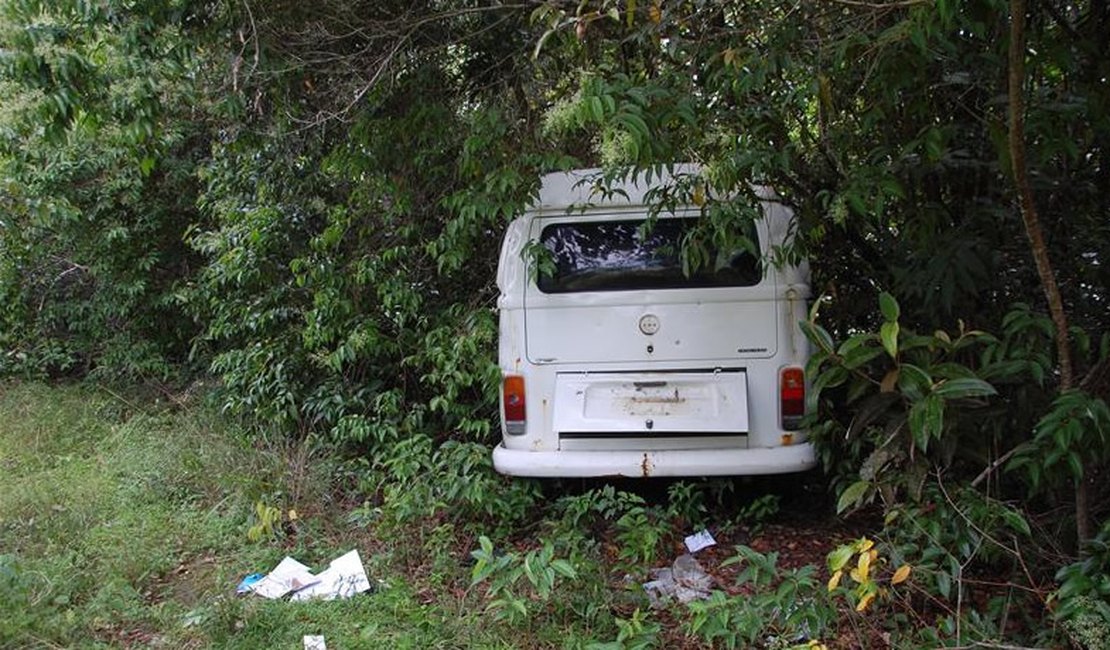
(626, 256)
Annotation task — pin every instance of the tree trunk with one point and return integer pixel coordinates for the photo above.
(1036, 235)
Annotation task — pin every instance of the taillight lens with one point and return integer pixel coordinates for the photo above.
(792, 397)
(512, 400)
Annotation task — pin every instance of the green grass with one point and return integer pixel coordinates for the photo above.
(122, 528)
(125, 526)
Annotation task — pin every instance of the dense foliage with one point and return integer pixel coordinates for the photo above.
(306, 202)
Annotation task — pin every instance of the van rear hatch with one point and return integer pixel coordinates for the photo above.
(658, 403)
(613, 291)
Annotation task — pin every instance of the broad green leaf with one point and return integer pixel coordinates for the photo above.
(888, 333)
(861, 356)
(918, 429)
(817, 334)
(564, 568)
(914, 382)
(960, 388)
(934, 415)
(853, 343)
(889, 306)
(852, 495)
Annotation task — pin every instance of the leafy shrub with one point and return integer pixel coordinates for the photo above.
(1084, 595)
(637, 527)
(1074, 433)
(778, 609)
(635, 633)
(419, 481)
(686, 502)
(915, 399)
(98, 145)
(509, 595)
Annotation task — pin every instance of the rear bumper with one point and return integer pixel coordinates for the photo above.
(686, 462)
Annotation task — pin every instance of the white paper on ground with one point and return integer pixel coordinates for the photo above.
(289, 575)
(314, 642)
(343, 578)
(699, 540)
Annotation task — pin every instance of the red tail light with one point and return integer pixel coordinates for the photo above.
(792, 397)
(512, 400)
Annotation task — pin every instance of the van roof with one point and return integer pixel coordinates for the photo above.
(579, 187)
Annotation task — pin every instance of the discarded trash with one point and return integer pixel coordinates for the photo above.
(343, 578)
(314, 642)
(684, 581)
(699, 540)
(289, 575)
(246, 586)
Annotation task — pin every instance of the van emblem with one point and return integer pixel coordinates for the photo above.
(649, 324)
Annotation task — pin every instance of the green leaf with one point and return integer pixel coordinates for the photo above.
(817, 334)
(1076, 466)
(926, 420)
(597, 109)
(860, 356)
(839, 558)
(960, 388)
(934, 416)
(852, 495)
(914, 382)
(889, 306)
(564, 568)
(888, 333)
(146, 165)
(944, 584)
(853, 343)
(1015, 521)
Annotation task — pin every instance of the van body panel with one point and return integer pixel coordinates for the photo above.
(637, 381)
(611, 333)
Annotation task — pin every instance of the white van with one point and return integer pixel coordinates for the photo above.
(616, 363)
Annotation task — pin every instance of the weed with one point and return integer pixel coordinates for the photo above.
(636, 633)
(779, 608)
(267, 523)
(686, 501)
(503, 572)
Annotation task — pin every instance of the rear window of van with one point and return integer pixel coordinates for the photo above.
(629, 255)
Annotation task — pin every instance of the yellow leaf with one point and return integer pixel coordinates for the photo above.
(901, 574)
(864, 602)
(655, 13)
(864, 566)
(864, 544)
(834, 581)
(854, 574)
(699, 195)
(293, 515)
